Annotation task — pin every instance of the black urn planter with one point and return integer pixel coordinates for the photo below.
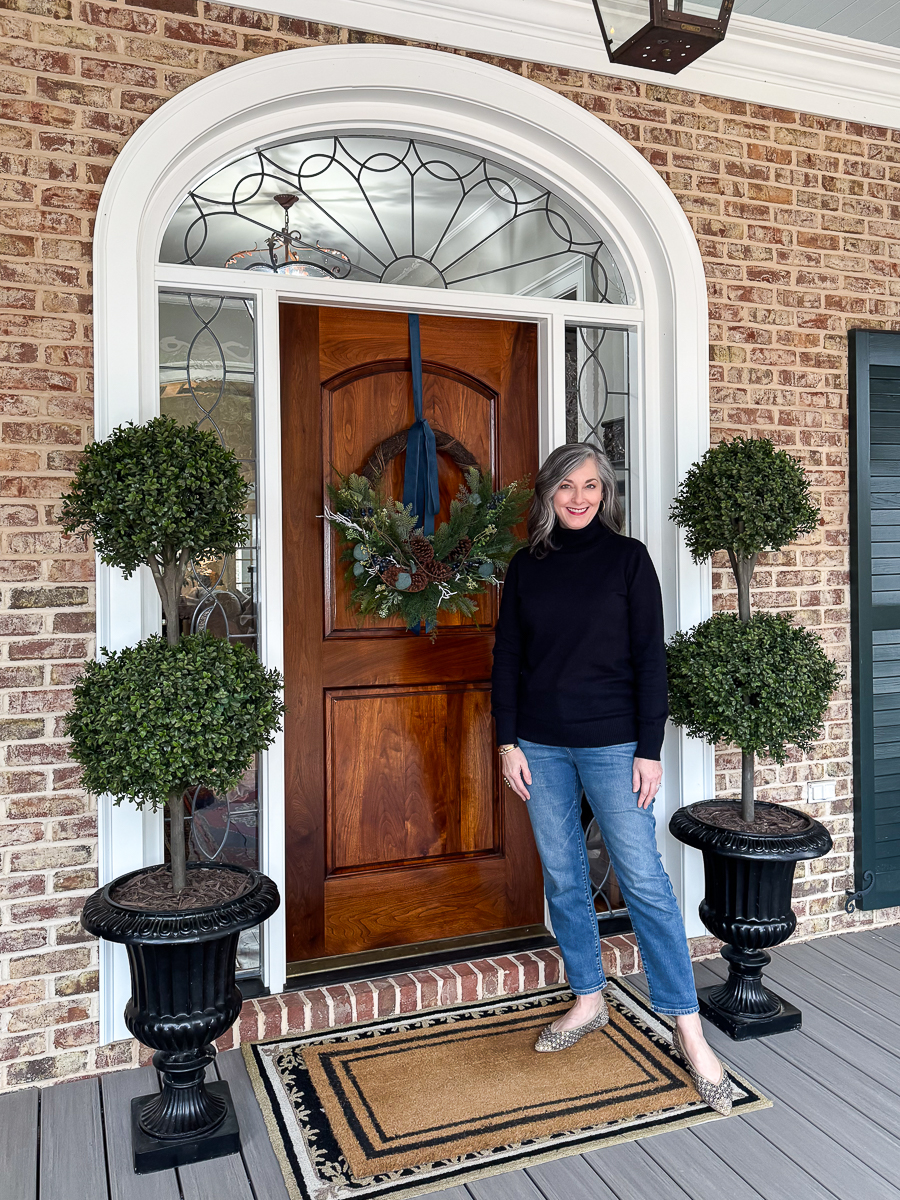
(183, 997)
(749, 877)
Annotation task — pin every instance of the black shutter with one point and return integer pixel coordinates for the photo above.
(875, 612)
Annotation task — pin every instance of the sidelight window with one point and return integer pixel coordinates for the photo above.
(598, 395)
(207, 378)
(597, 407)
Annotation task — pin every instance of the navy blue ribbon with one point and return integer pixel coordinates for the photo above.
(420, 479)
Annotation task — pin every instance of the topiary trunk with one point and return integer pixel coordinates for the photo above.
(748, 770)
(743, 572)
(168, 575)
(176, 840)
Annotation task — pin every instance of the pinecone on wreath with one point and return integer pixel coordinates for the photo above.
(463, 546)
(391, 575)
(419, 582)
(421, 548)
(438, 571)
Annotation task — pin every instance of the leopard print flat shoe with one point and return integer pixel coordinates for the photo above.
(551, 1039)
(717, 1095)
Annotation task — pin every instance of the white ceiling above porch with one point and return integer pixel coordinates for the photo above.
(869, 20)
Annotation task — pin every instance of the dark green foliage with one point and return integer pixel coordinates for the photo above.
(759, 685)
(477, 536)
(157, 491)
(154, 719)
(744, 496)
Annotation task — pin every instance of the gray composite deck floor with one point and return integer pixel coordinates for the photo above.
(833, 1133)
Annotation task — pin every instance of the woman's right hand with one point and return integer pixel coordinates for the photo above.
(515, 771)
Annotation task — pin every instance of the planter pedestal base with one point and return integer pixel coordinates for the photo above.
(742, 1006)
(741, 1028)
(162, 1154)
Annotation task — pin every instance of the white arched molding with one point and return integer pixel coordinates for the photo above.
(440, 97)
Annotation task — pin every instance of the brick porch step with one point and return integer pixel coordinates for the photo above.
(413, 991)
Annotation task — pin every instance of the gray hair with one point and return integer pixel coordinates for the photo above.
(559, 465)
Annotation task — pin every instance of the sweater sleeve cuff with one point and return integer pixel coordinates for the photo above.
(506, 728)
(650, 740)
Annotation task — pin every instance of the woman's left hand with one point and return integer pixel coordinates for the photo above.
(646, 778)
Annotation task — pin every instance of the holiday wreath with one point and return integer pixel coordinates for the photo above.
(395, 568)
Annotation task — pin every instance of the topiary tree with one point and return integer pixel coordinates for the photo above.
(152, 720)
(758, 682)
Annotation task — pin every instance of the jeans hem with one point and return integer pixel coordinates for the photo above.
(592, 992)
(665, 1012)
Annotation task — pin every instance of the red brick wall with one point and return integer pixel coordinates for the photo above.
(798, 221)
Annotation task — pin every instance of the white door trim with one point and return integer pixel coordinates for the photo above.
(441, 97)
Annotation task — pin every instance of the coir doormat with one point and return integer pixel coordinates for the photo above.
(401, 1107)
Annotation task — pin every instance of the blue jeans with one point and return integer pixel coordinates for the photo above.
(604, 773)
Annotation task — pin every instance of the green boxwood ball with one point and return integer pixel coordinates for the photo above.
(404, 579)
(358, 568)
(760, 685)
(745, 496)
(149, 490)
(360, 552)
(152, 718)
(486, 570)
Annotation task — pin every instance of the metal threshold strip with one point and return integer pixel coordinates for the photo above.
(396, 960)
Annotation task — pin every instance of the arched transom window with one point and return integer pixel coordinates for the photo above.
(393, 210)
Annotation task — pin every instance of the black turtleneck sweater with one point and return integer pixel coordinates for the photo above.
(579, 658)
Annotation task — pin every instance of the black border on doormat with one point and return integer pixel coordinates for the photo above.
(317, 1170)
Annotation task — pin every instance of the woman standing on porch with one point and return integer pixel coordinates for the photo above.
(580, 705)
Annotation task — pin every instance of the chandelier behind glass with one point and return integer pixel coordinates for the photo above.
(286, 252)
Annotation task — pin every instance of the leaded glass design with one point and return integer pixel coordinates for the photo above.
(597, 395)
(393, 210)
(207, 377)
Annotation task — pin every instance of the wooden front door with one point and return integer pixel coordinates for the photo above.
(397, 831)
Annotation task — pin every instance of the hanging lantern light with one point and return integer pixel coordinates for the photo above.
(677, 32)
(286, 253)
